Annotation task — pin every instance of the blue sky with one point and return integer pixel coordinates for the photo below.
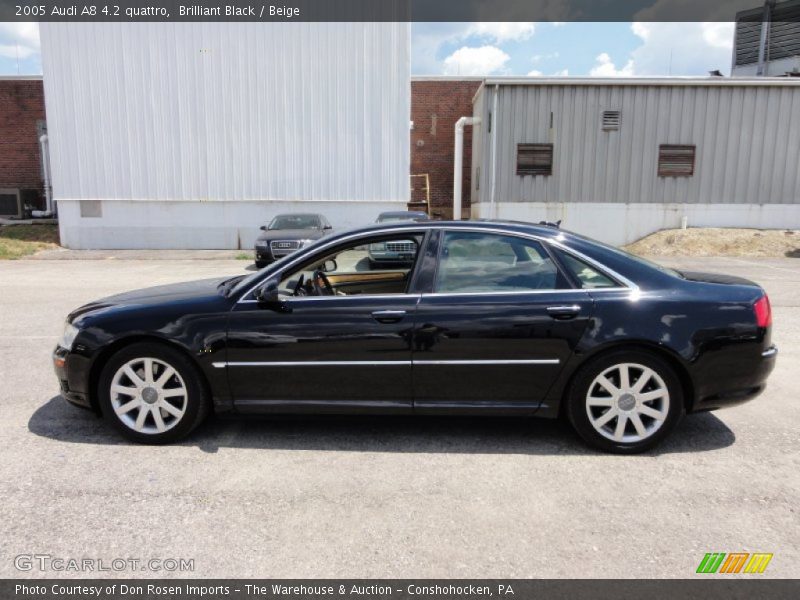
(575, 49)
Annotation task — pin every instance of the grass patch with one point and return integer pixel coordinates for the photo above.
(22, 240)
(243, 256)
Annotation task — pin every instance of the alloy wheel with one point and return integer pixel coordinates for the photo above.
(627, 402)
(148, 395)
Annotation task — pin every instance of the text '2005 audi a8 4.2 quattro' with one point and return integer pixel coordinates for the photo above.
(493, 318)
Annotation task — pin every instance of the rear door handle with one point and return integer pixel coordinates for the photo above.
(567, 311)
(388, 316)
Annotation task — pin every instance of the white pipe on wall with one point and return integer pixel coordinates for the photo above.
(458, 162)
(48, 194)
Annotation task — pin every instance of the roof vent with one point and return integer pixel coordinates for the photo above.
(611, 119)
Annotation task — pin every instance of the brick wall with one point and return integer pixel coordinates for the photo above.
(21, 108)
(435, 108)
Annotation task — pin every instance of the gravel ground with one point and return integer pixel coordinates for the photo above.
(382, 497)
(714, 241)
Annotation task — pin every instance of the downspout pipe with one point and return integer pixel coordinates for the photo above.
(48, 194)
(458, 162)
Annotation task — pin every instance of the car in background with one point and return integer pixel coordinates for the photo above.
(397, 251)
(288, 233)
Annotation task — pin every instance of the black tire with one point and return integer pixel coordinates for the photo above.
(197, 402)
(260, 264)
(578, 411)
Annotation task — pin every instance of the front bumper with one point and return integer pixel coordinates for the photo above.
(68, 384)
(748, 382)
(263, 254)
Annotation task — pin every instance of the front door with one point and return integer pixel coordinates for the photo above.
(338, 341)
(497, 329)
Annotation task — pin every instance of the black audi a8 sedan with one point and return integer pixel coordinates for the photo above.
(489, 318)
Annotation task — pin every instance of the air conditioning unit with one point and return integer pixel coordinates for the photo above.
(10, 203)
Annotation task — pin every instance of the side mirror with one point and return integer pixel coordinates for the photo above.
(263, 228)
(328, 227)
(329, 266)
(269, 295)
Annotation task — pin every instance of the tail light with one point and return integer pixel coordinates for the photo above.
(763, 311)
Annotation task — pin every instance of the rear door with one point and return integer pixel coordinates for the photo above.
(497, 328)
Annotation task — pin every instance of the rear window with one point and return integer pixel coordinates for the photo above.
(588, 276)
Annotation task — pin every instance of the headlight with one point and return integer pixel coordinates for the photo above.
(304, 243)
(68, 338)
(378, 247)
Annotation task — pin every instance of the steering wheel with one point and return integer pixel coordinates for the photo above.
(299, 288)
(322, 286)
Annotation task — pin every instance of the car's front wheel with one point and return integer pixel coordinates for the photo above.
(260, 264)
(625, 401)
(152, 393)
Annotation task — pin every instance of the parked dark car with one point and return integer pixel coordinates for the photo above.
(491, 318)
(287, 234)
(396, 251)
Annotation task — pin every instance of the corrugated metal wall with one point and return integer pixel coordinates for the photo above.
(228, 111)
(747, 138)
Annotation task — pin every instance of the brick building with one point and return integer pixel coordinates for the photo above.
(22, 122)
(436, 104)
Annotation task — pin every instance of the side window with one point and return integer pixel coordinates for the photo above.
(589, 277)
(479, 262)
(367, 267)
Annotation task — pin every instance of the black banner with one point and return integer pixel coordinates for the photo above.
(383, 10)
(711, 588)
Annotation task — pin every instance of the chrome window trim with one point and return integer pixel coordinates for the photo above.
(381, 363)
(628, 285)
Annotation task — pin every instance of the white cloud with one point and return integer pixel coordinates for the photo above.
(537, 58)
(475, 61)
(19, 40)
(558, 23)
(682, 48)
(562, 73)
(501, 32)
(535, 73)
(605, 67)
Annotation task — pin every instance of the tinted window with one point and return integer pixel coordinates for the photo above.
(295, 222)
(478, 262)
(588, 276)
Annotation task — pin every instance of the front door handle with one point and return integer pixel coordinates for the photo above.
(567, 311)
(388, 316)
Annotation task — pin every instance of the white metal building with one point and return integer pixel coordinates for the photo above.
(618, 159)
(192, 135)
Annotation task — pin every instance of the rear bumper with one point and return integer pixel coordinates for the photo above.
(740, 387)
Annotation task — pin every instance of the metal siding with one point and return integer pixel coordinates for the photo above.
(228, 111)
(747, 139)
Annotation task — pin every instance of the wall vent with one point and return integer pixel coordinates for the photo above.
(611, 120)
(534, 159)
(676, 160)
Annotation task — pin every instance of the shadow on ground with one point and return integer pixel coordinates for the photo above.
(59, 421)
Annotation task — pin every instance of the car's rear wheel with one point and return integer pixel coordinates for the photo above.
(152, 393)
(625, 401)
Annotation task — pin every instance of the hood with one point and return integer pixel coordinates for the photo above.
(191, 291)
(717, 278)
(291, 234)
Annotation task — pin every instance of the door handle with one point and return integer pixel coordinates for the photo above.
(388, 316)
(568, 311)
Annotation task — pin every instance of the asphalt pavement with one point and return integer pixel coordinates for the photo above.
(381, 497)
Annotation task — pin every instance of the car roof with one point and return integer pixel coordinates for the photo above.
(494, 224)
(402, 213)
(298, 214)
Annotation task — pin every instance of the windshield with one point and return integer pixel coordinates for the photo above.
(631, 256)
(295, 222)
